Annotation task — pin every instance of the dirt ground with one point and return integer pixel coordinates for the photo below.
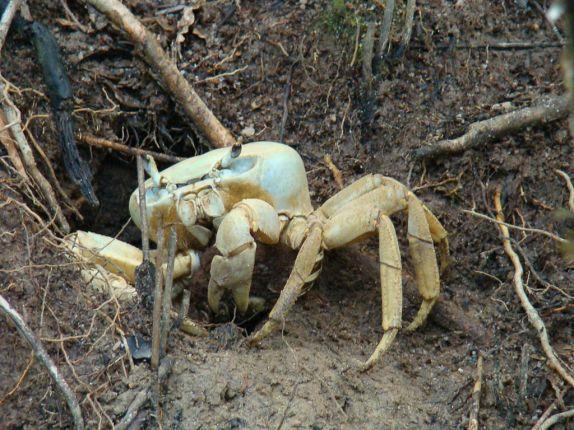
(304, 377)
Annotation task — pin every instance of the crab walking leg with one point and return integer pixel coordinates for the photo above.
(249, 220)
(348, 226)
(439, 236)
(391, 288)
(302, 269)
(350, 193)
(422, 252)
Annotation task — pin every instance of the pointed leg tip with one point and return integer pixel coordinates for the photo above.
(262, 333)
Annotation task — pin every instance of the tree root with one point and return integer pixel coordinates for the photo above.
(27, 157)
(483, 132)
(533, 317)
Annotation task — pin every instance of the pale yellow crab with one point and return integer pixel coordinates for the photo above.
(258, 192)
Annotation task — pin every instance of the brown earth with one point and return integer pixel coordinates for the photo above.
(304, 377)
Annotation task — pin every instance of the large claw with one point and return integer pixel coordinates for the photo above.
(121, 258)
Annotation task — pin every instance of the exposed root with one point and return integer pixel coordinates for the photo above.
(483, 132)
(13, 116)
(45, 359)
(516, 227)
(556, 418)
(533, 317)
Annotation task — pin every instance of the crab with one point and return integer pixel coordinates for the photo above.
(258, 193)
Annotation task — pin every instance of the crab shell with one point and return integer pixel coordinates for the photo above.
(207, 186)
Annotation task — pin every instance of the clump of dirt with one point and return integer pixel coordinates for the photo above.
(248, 63)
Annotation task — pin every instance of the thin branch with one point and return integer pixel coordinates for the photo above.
(6, 20)
(166, 298)
(116, 146)
(533, 317)
(530, 230)
(45, 359)
(170, 76)
(482, 132)
(156, 328)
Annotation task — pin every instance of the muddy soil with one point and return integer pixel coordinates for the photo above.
(303, 55)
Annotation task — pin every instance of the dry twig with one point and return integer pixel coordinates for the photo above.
(145, 272)
(116, 146)
(473, 420)
(156, 329)
(166, 298)
(45, 359)
(170, 76)
(6, 20)
(482, 132)
(533, 317)
(516, 227)
(8, 143)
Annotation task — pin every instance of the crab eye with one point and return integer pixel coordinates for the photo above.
(236, 150)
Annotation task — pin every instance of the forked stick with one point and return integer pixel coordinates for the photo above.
(533, 317)
(45, 359)
(483, 132)
(170, 76)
